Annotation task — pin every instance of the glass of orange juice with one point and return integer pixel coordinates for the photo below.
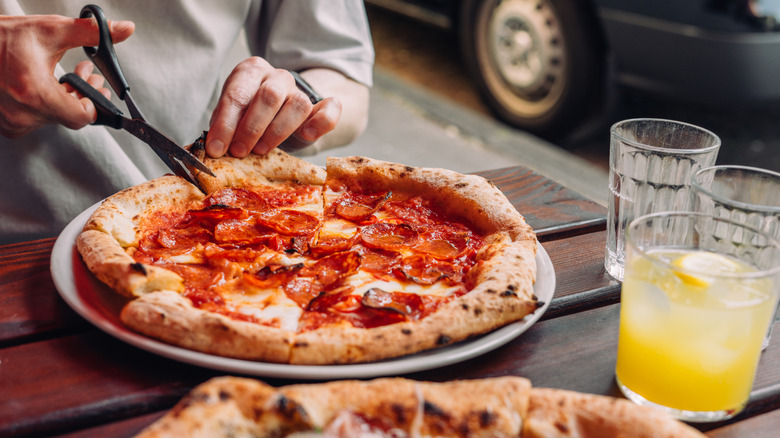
(698, 295)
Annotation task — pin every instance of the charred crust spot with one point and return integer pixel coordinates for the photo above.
(406, 331)
(443, 340)
(486, 418)
(301, 344)
(408, 168)
(189, 400)
(461, 185)
(491, 291)
(561, 427)
(286, 406)
(465, 306)
(224, 395)
(508, 293)
(400, 413)
(512, 287)
(540, 304)
(138, 267)
(433, 410)
(478, 311)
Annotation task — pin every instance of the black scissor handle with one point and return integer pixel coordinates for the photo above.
(103, 55)
(107, 113)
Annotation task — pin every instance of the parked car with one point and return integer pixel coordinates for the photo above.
(545, 65)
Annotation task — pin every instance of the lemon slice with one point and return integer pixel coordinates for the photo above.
(703, 262)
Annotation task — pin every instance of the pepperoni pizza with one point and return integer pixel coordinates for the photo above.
(284, 261)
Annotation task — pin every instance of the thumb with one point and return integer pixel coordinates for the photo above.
(85, 32)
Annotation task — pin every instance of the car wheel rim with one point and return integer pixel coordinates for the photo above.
(527, 54)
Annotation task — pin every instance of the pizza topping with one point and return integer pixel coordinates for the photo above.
(241, 231)
(424, 269)
(181, 237)
(358, 207)
(330, 270)
(213, 214)
(388, 236)
(289, 222)
(379, 299)
(371, 259)
(332, 308)
(379, 262)
(272, 277)
(443, 243)
(242, 198)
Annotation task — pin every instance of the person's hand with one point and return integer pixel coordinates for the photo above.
(30, 48)
(260, 107)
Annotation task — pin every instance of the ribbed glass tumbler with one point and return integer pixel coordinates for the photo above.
(651, 163)
(747, 195)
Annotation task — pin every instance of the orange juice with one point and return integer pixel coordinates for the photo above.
(688, 340)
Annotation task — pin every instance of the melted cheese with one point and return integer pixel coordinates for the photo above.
(363, 281)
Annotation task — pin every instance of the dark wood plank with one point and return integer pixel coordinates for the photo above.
(77, 381)
(765, 425)
(120, 429)
(547, 206)
(27, 306)
(105, 381)
(581, 281)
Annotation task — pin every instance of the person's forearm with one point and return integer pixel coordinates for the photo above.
(354, 100)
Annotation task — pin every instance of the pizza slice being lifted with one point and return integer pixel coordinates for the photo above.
(287, 262)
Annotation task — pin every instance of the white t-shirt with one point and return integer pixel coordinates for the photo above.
(173, 63)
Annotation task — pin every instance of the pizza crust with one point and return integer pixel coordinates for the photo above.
(260, 170)
(556, 413)
(490, 407)
(114, 267)
(170, 317)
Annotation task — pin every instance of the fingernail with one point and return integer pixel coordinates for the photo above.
(239, 150)
(310, 133)
(215, 148)
(261, 148)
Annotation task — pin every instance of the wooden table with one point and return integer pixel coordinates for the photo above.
(59, 375)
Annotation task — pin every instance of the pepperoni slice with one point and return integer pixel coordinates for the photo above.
(378, 261)
(414, 210)
(357, 207)
(333, 308)
(289, 222)
(331, 245)
(214, 214)
(271, 277)
(241, 231)
(443, 243)
(236, 197)
(424, 269)
(388, 236)
(330, 270)
(182, 237)
(407, 304)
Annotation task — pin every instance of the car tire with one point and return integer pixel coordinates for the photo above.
(539, 64)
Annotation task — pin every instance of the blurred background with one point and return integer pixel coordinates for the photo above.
(565, 70)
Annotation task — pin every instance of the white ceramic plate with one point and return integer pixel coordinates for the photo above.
(99, 305)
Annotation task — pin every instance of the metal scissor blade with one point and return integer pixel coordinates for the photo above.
(165, 148)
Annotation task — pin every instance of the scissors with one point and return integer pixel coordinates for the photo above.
(178, 159)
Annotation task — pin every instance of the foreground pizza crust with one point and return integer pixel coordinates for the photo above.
(466, 236)
(397, 407)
